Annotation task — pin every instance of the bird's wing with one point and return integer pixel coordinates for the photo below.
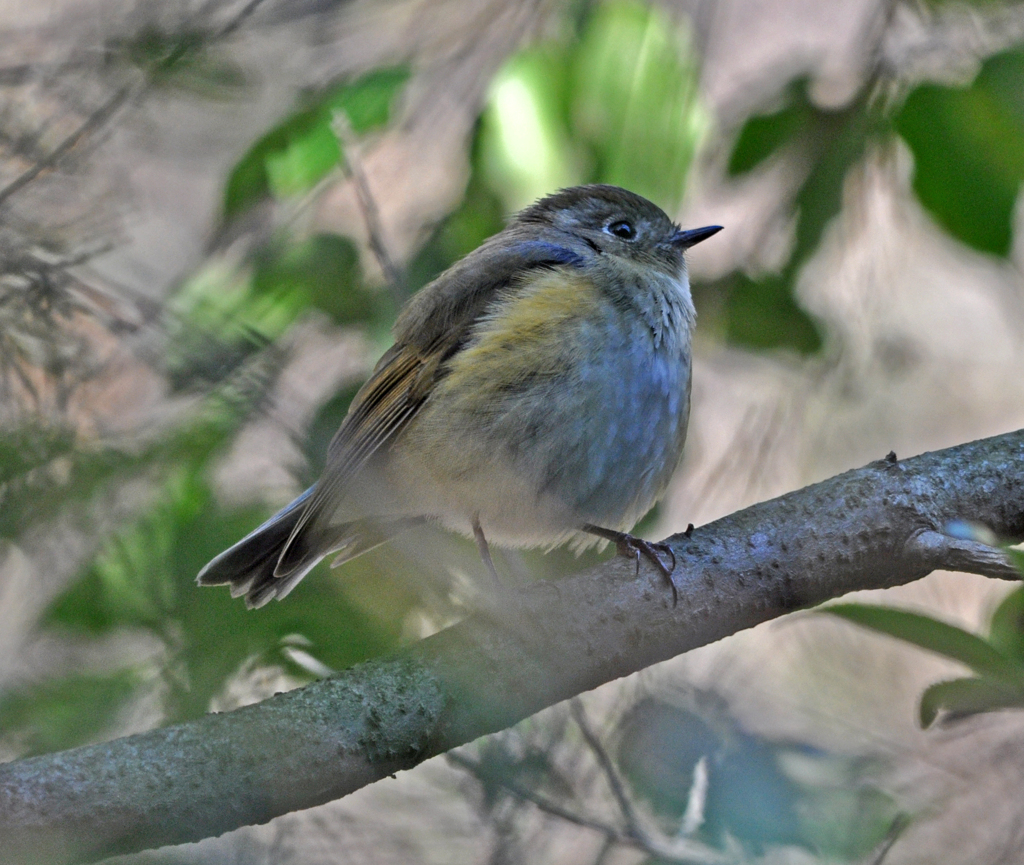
(437, 323)
(454, 301)
(383, 407)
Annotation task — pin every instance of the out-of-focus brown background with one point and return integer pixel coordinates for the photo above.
(209, 213)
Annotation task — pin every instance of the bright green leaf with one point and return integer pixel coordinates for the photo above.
(525, 148)
(962, 697)
(931, 634)
(617, 104)
(298, 167)
(968, 146)
(303, 148)
(367, 102)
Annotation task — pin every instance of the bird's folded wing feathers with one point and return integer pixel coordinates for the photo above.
(385, 404)
(435, 325)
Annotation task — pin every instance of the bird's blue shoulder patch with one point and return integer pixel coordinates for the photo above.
(542, 252)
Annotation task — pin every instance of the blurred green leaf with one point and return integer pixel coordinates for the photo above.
(31, 446)
(845, 822)
(760, 791)
(324, 269)
(762, 312)
(185, 60)
(33, 457)
(615, 102)
(839, 139)
(635, 99)
(844, 818)
(221, 318)
(145, 578)
(130, 582)
(968, 146)
(302, 149)
(765, 135)
(321, 432)
(65, 713)
(962, 697)
(1017, 558)
(298, 167)
(218, 633)
(367, 101)
(526, 148)
(74, 474)
(218, 320)
(497, 766)
(1006, 630)
(205, 75)
(931, 634)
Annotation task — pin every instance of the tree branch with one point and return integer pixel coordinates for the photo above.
(879, 526)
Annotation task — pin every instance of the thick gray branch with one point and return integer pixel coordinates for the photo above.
(874, 527)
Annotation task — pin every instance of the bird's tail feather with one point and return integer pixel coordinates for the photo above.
(248, 566)
(252, 566)
(362, 536)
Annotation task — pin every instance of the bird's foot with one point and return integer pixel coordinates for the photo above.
(485, 552)
(631, 547)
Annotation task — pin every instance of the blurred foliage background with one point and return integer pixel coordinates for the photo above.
(210, 214)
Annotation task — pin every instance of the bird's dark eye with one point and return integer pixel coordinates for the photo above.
(622, 229)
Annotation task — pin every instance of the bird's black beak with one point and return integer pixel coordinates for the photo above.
(684, 239)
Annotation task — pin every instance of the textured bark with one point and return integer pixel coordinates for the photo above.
(885, 524)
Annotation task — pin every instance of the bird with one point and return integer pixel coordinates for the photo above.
(537, 393)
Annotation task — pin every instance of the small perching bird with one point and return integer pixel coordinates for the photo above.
(537, 393)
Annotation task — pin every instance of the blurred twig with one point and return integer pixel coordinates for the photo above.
(92, 123)
(42, 350)
(605, 852)
(352, 168)
(899, 825)
(629, 815)
(680, 852)
(539, 799)
(239, 19)
(677, 849)
(99, 118)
